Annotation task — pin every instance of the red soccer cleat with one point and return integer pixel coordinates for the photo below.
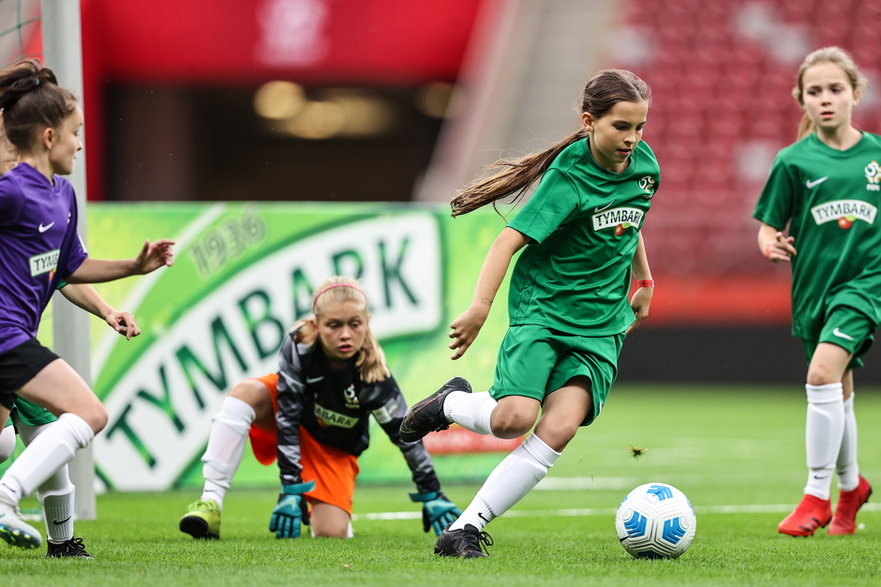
(811, 513)
(849, 502)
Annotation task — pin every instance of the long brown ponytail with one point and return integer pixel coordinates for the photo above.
(602, 91)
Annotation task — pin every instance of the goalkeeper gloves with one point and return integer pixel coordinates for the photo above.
(290, 510)
(438, 512)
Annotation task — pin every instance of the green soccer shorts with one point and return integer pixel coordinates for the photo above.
(848, 328)
(535, 361)
(31, 414)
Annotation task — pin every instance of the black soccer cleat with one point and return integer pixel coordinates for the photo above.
(466, 543)
(428, 415)
(73, 548)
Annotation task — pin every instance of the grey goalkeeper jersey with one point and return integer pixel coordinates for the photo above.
(334, 406)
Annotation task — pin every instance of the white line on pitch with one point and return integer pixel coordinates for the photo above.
(576, 512)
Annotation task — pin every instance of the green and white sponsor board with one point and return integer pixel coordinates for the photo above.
(243, 274)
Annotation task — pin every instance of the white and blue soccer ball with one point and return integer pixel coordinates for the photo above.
(655, 520)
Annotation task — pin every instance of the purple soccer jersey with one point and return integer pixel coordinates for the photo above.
(39, 246)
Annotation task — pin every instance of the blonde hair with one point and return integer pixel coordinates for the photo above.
(605, 89)
(371, 360)
(836, 56)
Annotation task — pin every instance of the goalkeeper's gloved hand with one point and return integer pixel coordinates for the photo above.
(438, 512)
(290, 510)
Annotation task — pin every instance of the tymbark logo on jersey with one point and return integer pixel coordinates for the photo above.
(44, 263)
(327, 417)
(846, 212)
(618, 218)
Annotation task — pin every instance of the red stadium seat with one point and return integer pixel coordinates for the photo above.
(716, 95)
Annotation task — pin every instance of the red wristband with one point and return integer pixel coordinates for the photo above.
(645, 283)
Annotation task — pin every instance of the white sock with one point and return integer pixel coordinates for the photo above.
(49, 451)
(848, 470)
(824, 429)
(58, 508)
(226, 443)
(470, 410)
(56, 493)
(7, 443)
(513, 478)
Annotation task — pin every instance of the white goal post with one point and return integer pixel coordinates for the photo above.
(62, 52)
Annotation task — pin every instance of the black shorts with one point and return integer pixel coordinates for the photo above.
(19, 365)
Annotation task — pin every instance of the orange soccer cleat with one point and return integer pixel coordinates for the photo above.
(849, 502)
(811, 513)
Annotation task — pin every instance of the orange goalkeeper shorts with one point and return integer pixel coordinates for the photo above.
(333, 470)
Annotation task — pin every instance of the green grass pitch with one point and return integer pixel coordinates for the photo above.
(737, 452)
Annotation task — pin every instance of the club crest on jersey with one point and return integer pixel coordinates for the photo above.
(619, 219)
(351, 397)
(845, 212)
(647, 185)
(873, 176)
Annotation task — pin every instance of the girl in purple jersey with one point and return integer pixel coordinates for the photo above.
(57, 493)
(39, 248)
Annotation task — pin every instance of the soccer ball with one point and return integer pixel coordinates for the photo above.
(655, 520)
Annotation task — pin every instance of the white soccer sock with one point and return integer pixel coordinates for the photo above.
(470, 410)
(512, 479)
(7, 443)
(226, 443)
(49, 451)
(824, 429)
(56, 493)
(848, 470)
(58, 508)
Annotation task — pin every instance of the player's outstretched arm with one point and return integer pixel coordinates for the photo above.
(152, 256)
(465, 328)
(86, 297)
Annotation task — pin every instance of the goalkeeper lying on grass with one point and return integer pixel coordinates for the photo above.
(313, 416)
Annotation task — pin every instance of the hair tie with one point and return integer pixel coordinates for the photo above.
(38, 82)
(335, 285)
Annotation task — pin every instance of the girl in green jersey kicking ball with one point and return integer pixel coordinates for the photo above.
(826, 187)
(568, 304)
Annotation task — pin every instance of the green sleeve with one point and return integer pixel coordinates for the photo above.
(552, 205)
(775, 204)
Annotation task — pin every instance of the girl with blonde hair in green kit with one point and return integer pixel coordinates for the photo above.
(825, 187)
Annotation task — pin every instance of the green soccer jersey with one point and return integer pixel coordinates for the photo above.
(583, 220)
(830, 199)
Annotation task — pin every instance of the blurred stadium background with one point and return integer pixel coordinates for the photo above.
(354, 103)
